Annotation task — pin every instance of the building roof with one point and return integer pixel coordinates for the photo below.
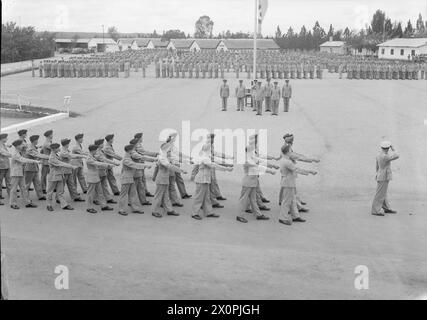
(72, 40)
(101, 40)
(182, 43)
(83, 35)
(405, 42)
(333, 44)
(142, 42)
(158, 43)
(207, 43)
(242, 44)
(126, 41)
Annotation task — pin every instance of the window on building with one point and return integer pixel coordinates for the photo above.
(413, 52)
(402, 52)
(382, 51)
(392, 51)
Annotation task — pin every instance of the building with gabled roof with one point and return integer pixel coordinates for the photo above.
(402, 48)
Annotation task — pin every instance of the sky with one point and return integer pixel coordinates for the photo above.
(236, 15)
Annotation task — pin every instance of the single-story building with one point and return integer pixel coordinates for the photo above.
(402, 48)
(337, 47)
(103, 45)
(71, 43)
(247, 44)
(127, 44)
(183, 45)
(97, 44)
(144, 43)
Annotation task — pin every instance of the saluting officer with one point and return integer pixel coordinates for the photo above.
(381, 205)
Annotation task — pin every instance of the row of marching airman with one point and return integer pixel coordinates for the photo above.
(52, 166)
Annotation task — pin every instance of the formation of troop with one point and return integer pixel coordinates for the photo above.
(255, 96)
(107, 65)
(47, 168)
(211, 64)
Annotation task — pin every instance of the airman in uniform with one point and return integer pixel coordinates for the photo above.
(248, 197)
(66, 156)
(224, 93)
(56, 179)
(240, 95)
(203, 179)
(45, 149)
(111, 155)
(161, 196)
(128, 194)
(275, 98)
(17, 163)
(31, 170)
(77, 174)
(267, 94)
(100, 156)
(5, 156)
(380, 203)
(95, 192)
(259, 98)
(287, 95)
(288, 170)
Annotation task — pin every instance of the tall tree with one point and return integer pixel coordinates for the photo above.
(278, 33)
(173, 34)
(347, 33)
(112, 31)
(377, 22)
(330, 32)
(203, 27)
(74, 40)
(420, 24)
(409, 30)
(397, 31)
(388, 27)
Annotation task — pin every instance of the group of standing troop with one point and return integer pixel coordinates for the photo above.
(257, 94)
(212, 64)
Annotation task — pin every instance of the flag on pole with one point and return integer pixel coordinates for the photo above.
(262, 9)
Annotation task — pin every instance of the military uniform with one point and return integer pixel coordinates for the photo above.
(287, 95)
(224, 93)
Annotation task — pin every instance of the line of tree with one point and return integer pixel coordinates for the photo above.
(22, 43)
(379, 30)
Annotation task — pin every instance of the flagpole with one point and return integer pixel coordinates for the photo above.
(255, 36)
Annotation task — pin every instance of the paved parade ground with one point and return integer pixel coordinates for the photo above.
(140, 257)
